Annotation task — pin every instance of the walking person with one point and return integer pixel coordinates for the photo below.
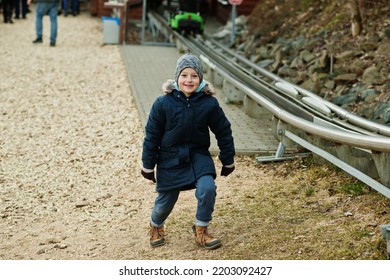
(46, 7)
(177, 142)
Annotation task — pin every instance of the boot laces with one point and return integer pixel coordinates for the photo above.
(156, 233)
(205, 236)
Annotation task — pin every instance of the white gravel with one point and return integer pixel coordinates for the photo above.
(70, 142)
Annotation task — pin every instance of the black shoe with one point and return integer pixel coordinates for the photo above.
(16, 17)
(37, 40)
(52, 44)
(10, 21)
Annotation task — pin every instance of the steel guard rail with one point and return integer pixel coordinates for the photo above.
(376, 143)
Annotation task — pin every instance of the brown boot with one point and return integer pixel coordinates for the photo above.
(203, 238)
(156, 236)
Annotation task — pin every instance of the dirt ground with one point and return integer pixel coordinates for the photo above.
(70, 188)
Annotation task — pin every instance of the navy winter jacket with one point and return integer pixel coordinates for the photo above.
(177, 138)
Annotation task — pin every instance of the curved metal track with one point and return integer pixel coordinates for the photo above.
(356, 145)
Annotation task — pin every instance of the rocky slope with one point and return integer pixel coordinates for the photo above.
(310, 43)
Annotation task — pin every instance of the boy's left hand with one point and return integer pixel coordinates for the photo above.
(149, 175)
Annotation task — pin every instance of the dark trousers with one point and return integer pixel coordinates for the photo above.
(74, 6)
(8, 6)
(17, 8)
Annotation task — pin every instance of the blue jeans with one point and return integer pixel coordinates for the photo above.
(52, 10)
(205, 194)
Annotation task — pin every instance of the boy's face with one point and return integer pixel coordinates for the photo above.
(188, 81)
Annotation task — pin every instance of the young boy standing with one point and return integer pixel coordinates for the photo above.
(177, 142)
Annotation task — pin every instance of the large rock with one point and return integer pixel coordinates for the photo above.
(372, 76)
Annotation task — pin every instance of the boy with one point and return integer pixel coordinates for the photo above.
(177, 142)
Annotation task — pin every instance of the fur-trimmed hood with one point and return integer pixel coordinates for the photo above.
(169, 86)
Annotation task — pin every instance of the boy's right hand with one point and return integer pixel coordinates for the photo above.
(227, 170)
(149, 175)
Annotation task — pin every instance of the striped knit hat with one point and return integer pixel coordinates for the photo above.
(188, 61)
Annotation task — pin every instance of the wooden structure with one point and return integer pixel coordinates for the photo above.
(98, 9)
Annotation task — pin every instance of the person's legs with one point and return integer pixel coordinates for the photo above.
(205, 193)
(11, 10)
(75, 7)
(65, 7)
(40, 11)
(8, 9)
(4, 8)
(53, 13)
(163, 205)
(17, 8)
(24, 8)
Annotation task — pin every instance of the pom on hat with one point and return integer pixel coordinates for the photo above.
(189, 61)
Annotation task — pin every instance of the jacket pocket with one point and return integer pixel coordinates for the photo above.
(169, 163)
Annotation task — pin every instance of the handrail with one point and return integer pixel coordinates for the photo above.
(369, 142)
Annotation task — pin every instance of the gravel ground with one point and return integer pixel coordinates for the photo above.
(70, 145)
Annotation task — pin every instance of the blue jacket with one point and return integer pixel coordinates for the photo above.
(177, 138)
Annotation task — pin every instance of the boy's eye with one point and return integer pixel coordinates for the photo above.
(192, 76)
